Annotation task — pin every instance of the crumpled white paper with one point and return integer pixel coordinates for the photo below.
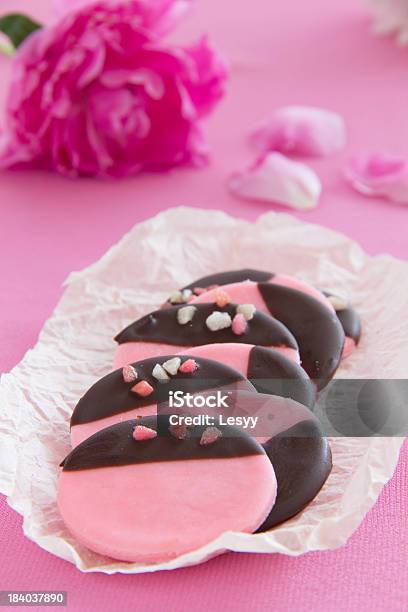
(75, 348)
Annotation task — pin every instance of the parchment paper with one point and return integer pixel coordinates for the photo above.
(75, 348)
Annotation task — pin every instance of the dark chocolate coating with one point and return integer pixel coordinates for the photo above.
(115, 446)
(350, 322)
(318, 331)
(112, 395)
(232, 276)
(162, 326)
(302, 461)
(348, 317)
(272, 373)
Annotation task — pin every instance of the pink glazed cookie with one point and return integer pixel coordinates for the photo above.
(180, 327)
(135, 390)
(135, 496)
(315, 326)
(346, 314)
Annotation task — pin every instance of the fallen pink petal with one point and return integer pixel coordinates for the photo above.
(278, 179)
(390, 18)
(381, 175)
(301, 130)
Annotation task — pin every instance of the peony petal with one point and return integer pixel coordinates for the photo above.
(151, 81)
(275, 178)
(96, 53)
(159, 16)
(379, 174)
(391, 17)
(302, 130)
(208, 76)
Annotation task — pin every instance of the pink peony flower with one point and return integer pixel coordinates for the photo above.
(98, 94)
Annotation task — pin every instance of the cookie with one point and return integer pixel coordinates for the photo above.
(316, 327)
(346, 314)
(135, 496)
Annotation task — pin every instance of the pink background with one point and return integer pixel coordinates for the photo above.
(286, 51)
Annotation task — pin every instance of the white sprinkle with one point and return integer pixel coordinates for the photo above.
(248, 310)
(160, 373)
(172, 365)
(186, 314)
(337, 302)
(218, 320)
(180, 297)
(176, 298)
(186, 294)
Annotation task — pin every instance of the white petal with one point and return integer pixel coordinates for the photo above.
(278, 179)
(302, 130)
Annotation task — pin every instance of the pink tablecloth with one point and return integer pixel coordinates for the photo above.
(313, 52)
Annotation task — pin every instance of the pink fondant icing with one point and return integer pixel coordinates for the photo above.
(79, 433)
(248, 293)
(294, 283)
(153, 512)
(130, 352)
(235, 355)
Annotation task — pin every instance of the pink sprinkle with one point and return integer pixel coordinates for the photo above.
(239, 324)
(141, 432)
(222, 298)
(142, 388)
(189, 366)
(129, 374)
(178, 431)
(199, 290)
(210, 435)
